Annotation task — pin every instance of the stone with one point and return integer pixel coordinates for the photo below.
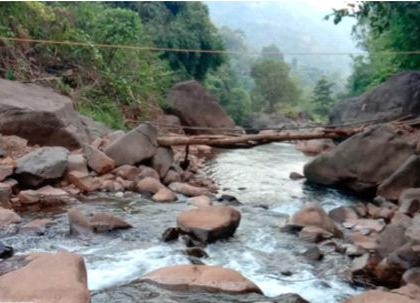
(314, 234)
(296, 176)
(5, 251)
(5, 171)
(413, 231)
(146, 171)
(15, 147)
(229, 200)
(172, 176)
(28, 197)
(356, 165)
(391, 238)
(127, 172)
(200, 201)
(315, 147)
(42, 164)
(164, 195)
(171, 234)
(402, 219)
(162, 161)
(83, 182)
(194, 106)
(52, 195)
(367, 242)
(43, 117)
(367, 225)
(102, 222)
(379, 296)
(314, 215)
(78, 223)
(209, 224)
(37, 226)
(5, 194)
(187, 189)
(7, 217)
(342, 213)
(409, 201)
(313, 253)
(137, 145)
(149, 185)
(47, 278)
(406, 176)
(77, 162)
(197, 252)
(97, 160)
(412, 276)
(201, 277)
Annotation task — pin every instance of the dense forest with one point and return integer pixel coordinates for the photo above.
(114, 85)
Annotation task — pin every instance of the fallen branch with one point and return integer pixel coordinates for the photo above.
(244, 141)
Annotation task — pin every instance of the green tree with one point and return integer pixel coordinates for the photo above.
(273, 85)
(382, 29)
(322, 97)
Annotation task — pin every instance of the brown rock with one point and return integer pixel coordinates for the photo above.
(367, 242)
(37, 226)
(5, 171)
(146, 171)
(200, 201)
(101, 222)
(365, 225)
(76, 162)
(78, 223)
(314, 234)
(47, 278)
(391, 238)
(7, 217)
(164, 195)
(379, 296)
(5, 194)
(28, 196)
(409, 201)
(171, 177)
(97, 160)
(209, 224)
(188, 190)
(150, 185)
(314, 215)
(210, 278)
(412, 276)
(52, 195)
(400, 218)
(83, 182)
(342, 213)
(127, 172)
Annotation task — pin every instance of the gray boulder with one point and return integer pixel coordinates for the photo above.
(194, 106)
(137, 145)
(43, 116)
(162, 161)
(363, 161)
(397, 97)
(42, 164)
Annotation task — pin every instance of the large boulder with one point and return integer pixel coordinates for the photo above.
(201, 277)
(397, 97)
(46, 163)
(137, 145)
(43, 116)
(163, 160)
(47, 278)
(196, 107)
(209, 224)
(356, 164)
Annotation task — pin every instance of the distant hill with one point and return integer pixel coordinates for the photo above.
(295, 27)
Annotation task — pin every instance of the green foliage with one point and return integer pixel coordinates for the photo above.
(273, 84)
(322, 97)
(382, 28)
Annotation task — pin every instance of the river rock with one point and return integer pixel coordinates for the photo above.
(101, 222)
(409, 201)
(5, 251)
(406, 176)
(196, 107)
(146, 171)
(412, 276)
(365, 225)
(296, 176)
(77, 162)
(162, 161)
(5, 194)
(356, 164)
(172, 176)
(187, 189)
(97, 160)
(137, 145)
(200, 201)
(42, 164)
(413, 231)
(314, 215)
(209, 224)
(342, 213)
(149, 185)
(164, 195)
(313, 253)
(78, 223)
(380, 296)
(7, 217)
(5, 171)
(171, 234)
(204, 277)
(83, 182)
(391, 238)
(127, 172)
(396, 97)
(314, 234)
(37, 226)
(47, 278)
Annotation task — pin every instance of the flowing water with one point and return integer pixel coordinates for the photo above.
(259, 178)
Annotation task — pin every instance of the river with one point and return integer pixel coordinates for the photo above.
(259, 178)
